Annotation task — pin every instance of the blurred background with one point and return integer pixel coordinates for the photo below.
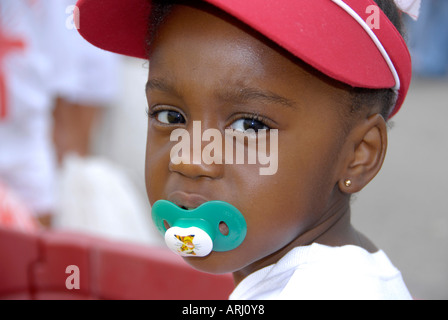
(404, 210)
(73, 138)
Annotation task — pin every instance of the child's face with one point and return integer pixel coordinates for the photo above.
(200, 65)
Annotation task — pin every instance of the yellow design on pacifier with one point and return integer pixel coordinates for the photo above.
(188, 242)
(187, 245)
(195, 233)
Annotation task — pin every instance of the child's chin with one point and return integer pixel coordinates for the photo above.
(215, 263)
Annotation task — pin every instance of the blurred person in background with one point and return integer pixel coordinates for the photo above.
(48, 75)
(428, 40)
(89, 84)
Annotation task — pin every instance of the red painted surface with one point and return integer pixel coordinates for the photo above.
(33, 266)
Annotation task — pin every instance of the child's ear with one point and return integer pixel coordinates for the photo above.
(365, 150)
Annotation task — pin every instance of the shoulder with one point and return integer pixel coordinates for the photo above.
(347, 272)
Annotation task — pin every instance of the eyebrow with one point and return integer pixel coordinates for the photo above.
(233, 94)
(161, 85)
(248, 94)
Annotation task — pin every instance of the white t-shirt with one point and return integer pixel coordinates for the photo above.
(320, 272)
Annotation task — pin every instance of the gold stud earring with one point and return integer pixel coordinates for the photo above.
(348, 183)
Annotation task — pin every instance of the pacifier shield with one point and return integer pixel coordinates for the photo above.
(207, 218)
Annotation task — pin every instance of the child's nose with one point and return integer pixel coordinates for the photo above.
(197, 170)
(197, 162)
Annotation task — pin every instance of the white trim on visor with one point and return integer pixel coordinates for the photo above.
(375, 39)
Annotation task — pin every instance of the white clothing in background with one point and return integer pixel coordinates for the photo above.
(52, 60)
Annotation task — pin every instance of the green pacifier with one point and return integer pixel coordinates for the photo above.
(196, 232)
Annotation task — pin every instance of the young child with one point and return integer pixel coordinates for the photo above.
(313, 71)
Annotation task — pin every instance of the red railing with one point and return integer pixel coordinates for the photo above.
(38, 266)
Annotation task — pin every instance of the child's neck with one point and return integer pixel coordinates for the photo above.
(336, 230)
(343, 233)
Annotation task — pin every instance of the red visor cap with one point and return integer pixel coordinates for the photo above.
(319, 32)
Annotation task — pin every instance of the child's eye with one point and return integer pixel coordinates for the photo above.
(248, 123)
(168, 117)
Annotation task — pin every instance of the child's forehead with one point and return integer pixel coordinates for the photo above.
(236, 64)
(330, 35)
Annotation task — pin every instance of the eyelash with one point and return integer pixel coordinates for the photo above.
(253, 117)
(241, 116)
(158, 109)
